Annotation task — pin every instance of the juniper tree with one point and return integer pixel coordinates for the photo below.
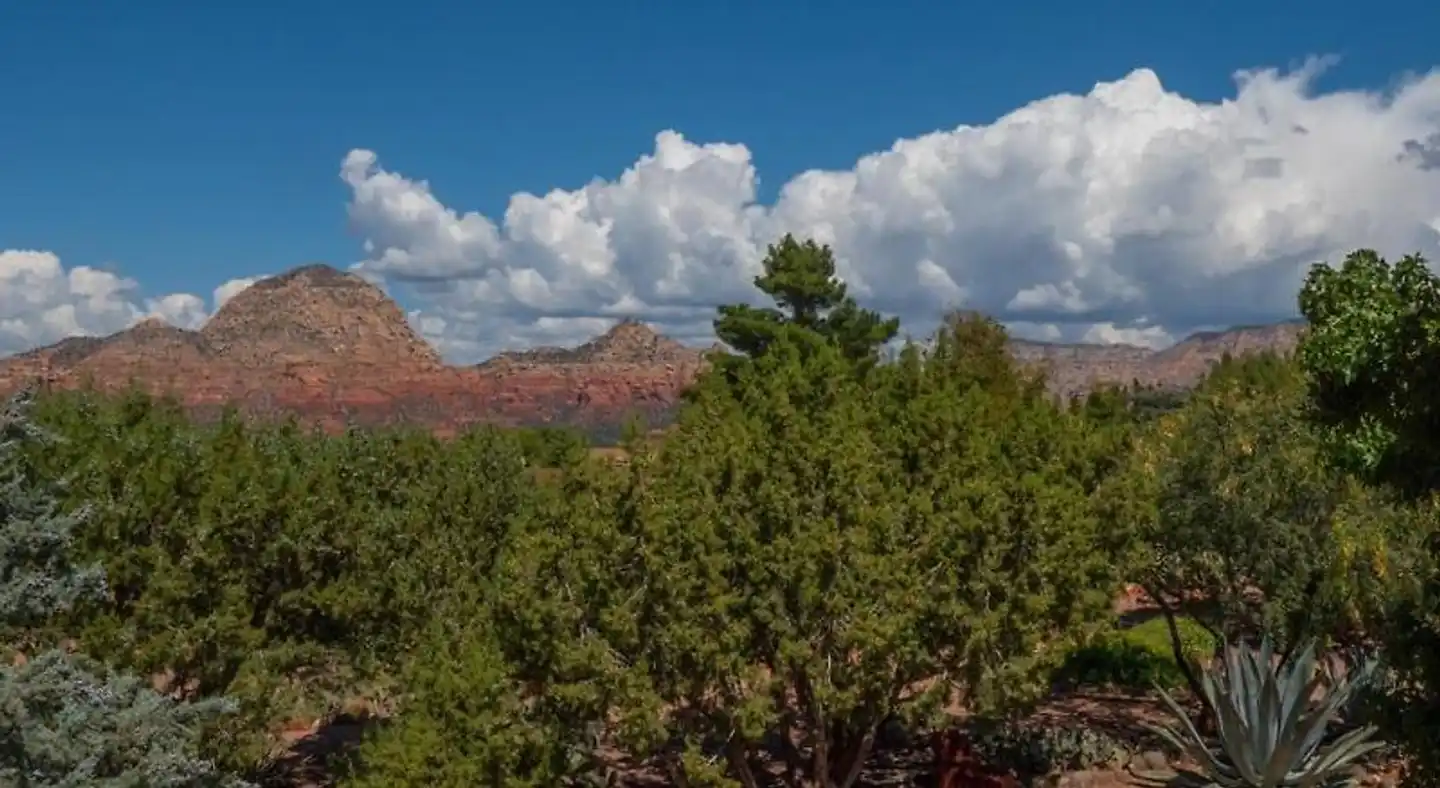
(813, 552)
(64, 720)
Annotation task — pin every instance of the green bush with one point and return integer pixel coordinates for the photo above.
(1033, 749)
(1137, 658)
(270, 563)
(65, 720)
(552, 447)
(811, 541)
(465, 722)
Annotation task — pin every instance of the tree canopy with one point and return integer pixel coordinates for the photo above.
(811, 553)
(1372, 353)
(831, 543)
(810, 299)
(65, 720)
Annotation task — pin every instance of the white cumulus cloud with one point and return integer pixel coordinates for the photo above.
(1142, 336)
(232, 288)
(42, 302)
(1127, 214)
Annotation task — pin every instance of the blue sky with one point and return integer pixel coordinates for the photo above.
(187, 144)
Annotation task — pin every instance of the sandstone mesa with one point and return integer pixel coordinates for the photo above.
(333, 350)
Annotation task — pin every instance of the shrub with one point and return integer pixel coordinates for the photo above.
(465, 722)
(1370, 354)
(270, 563)
(1034, 749)
(1272, 722)
(552, 447)
(66, 721)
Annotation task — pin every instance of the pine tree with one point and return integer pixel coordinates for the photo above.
(64, 720)
(811, 300)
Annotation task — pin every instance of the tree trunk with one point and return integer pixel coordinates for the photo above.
(1176, 649)
(849, 756)
(739, 757)
(957, 766)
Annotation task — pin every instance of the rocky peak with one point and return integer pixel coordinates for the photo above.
(1279, 337)
(155, 332)
(152, 335)
(1027, 350)
(1075, 368)
(314, 275)
(634, 342)
(627, 342)
(331, 349)
(67, 351)
(316, 315)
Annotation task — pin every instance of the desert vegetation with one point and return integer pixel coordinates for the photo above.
(838, 567)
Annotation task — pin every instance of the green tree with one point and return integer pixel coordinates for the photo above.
(800, 278)
(811, 553)
(1253, 532)
(1372, 350)
(1372, 353)
(65, 720)
(37, 579)
(1132, 405)
(552, 447)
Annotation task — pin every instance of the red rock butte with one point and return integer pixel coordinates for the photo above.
(333, 350)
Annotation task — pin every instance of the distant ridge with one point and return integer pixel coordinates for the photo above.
(627, 342)
(333, 349)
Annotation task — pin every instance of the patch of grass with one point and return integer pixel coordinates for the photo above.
(1137, 658)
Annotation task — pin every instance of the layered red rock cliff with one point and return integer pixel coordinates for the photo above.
(333, 349)
(1075, 368)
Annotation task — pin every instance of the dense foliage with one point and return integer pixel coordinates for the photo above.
(838, 535)
(806, 550)
(1251, 531)
(271, 564)
(1371, 359)
(65, 721)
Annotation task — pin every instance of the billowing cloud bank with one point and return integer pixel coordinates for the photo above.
(1127, 214)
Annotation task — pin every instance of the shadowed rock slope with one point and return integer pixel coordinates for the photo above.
(334, 350)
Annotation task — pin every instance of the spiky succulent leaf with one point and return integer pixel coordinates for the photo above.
(1188, 740)
(1349, 748)
(1266, 734)
(1234, 737)
(1270, 730)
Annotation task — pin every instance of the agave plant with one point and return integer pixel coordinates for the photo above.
(1271, 725)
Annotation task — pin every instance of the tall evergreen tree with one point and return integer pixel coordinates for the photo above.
(810, 300)
(65, 721)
